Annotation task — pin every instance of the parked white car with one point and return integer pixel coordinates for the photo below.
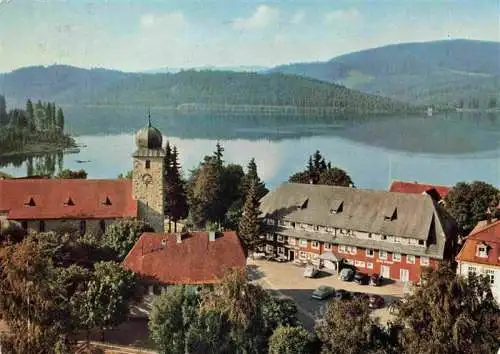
(310, 272)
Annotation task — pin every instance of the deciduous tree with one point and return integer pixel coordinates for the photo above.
(469, 203)
(449, 314)
(69, 174)
(290, 340)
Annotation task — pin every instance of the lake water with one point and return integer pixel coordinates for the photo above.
(443, 149)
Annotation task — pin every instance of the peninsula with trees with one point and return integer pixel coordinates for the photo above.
(39, 128)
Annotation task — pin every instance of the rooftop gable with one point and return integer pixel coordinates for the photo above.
(488, 235)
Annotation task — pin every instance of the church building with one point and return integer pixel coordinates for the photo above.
(89, 205)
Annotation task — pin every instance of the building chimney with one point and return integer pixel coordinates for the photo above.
(179, 237)
(211, 236)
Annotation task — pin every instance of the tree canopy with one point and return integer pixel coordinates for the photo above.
(449, 314)
(69, 174)
(469, 203)
(318, 171)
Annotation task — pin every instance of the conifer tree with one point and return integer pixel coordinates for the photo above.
(252, 175)
(176, 203)
(249, 226)
(30, 116)
(4, 117)
(60, 120)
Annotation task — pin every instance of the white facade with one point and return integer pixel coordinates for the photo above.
(493, 272)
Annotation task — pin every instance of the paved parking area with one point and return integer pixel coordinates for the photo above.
(287, 279)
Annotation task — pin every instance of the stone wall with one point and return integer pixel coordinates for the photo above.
(148, 189)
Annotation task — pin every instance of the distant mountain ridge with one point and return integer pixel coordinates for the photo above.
(240, 68)
(189, 88)
(439, 72)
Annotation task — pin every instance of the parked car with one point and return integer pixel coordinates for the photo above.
(361, 278)
(342, 294)
(310, 272)
(281, 259)
(346, 274)
(375, 280)
(270, 258)
(376, 302)
(323, 292)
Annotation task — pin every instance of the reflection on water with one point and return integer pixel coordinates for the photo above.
(441, 149)
(34, 165)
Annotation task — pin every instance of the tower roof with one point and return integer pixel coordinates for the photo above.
(148, 137)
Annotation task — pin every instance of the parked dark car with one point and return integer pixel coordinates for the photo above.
(323, 292)
(375, 280)
(376, 302)
(361, 278)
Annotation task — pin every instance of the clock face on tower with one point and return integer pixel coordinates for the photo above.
(146, 178)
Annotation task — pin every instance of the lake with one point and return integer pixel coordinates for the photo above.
(442, 149)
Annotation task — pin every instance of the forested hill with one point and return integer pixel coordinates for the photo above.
(442, 72)
(68, 85)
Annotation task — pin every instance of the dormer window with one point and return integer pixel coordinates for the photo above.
(482, 250)
(107, 201)
(391, 214)
(303, 204)
(69, 202)
(337, 206)
(30, 202)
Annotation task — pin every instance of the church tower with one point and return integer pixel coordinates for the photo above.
(147, 176)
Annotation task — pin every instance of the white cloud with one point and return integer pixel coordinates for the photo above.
(262, 17)
(298, 17)
(346, 15)
(169, 20)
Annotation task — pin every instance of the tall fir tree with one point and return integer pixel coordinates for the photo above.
(4, 117)
(252, 175)
(176, 204)
(60, 120)
(30, 116)
(218, 155)
(249, 226)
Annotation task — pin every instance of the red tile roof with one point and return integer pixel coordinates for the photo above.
(417, 188)
(196, 260)
(26, 199)
(489, 235)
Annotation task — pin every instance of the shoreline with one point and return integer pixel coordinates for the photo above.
(42, 149)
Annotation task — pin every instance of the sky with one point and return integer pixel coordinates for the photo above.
(141, 35)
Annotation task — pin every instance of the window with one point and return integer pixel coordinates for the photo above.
(291, 240)
(360, 264)
(315, 244)
(369, 252)
(302, 254)
(396, 257)
(281, 250)
(410, 259)
(342, 248)
(482, 251)
(383, 237)
(327, 246)
(281, 238)
(270, 237)
(397, 239)
(471, 270)
(421, 242)
(269, 249)
(369, 235)
(382, 254)
(351, 249)
(349, 261)
(424, 261)
(369, 265)
(102, 225)
(303, 243)
(83, 227)
(148, 164)
(491, 274)
(42, 226)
